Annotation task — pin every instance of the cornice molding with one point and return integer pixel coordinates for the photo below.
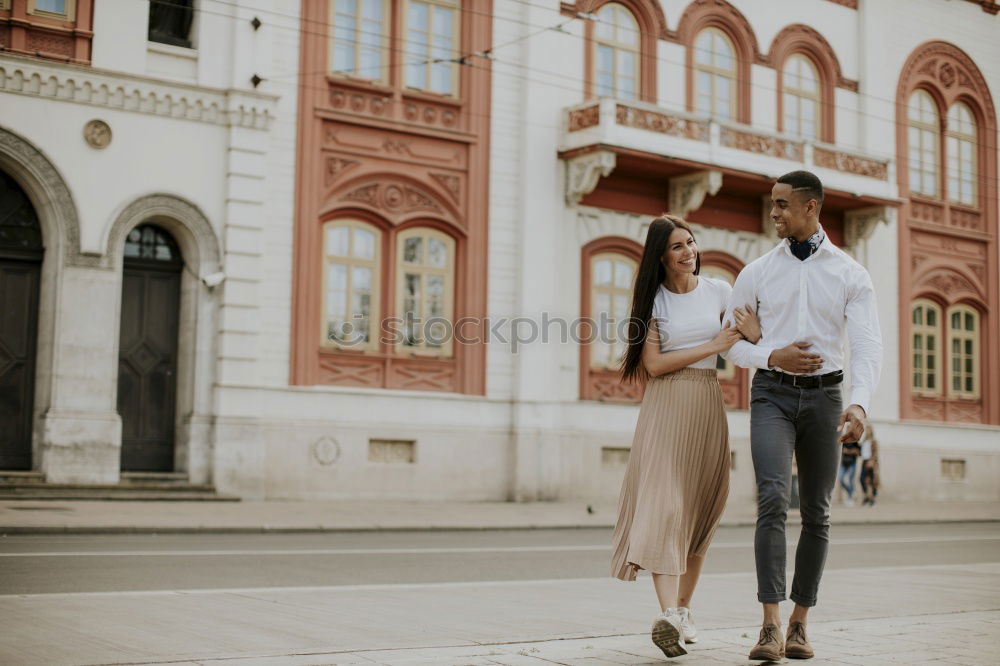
(126, 92)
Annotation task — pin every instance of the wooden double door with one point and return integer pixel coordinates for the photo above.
(147, 356)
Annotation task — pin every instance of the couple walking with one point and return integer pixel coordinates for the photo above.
(785, 316)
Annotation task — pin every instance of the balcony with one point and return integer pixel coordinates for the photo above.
(667, 143)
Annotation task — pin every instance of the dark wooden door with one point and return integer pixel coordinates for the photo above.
(21, 255)
(147, 357)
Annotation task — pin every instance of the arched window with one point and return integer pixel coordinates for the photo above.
(801, 97)
(963, 348)
(425, 265)
(961, 151)
(715, 74)
(433, 42)
(926, 318)
(726, 369)
(922, 139)
(351, 284)
(611, 277)
(360, 31)
(616, 51)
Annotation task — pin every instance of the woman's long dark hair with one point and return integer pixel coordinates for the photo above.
(647, 281)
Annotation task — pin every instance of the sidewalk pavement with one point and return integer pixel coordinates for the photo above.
(87, 516)
(938, 614)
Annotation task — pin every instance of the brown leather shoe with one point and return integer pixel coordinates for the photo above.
(770, 647)
(796, 643)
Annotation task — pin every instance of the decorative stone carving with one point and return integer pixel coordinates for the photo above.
(688, 192)
(335, 166)
(948, 282)
(207, 258)
(947, 74)
(325, 451)
(452, 184)
(583, 118)
(396, 198)
(238, 108)
(663, 123)
(841, 161)
(97, 134)
(762, 144)
(584, 171)
(860, 224)
(19, 156)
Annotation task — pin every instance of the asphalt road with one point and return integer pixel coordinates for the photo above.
(113, 563)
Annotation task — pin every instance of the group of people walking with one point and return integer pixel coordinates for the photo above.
(785, 316)
(867, 451)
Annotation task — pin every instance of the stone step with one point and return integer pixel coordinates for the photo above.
(145, 488)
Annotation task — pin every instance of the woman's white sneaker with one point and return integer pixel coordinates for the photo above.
(688, 630)
(667, 634)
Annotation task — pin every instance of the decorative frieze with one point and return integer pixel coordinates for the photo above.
(654, 121)
(848, 163)
(238, 108)
(762, 144)
(583, 118)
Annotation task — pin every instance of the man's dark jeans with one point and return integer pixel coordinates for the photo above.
(786, 420)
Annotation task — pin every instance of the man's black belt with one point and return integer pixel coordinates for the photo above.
(805, 381)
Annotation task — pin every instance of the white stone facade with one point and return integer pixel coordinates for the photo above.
(206, 155)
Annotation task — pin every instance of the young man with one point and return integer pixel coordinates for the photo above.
(806, 292)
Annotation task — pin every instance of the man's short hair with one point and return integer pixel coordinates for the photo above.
(805, 182)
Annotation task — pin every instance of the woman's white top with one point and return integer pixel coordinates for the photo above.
(688, 320)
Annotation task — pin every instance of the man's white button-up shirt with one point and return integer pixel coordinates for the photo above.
(814, 301)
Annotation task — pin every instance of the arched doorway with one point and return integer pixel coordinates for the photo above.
(21, 253)
(147, 356)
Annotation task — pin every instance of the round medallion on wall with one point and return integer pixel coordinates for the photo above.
(97, 134)
(325, 451)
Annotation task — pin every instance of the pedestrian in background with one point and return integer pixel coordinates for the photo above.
(848, 466)
(677, 479)
(869, 466)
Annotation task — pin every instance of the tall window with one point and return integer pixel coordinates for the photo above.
(961, 151)
(926, 317)
(963, 341)
(359, 30)
(432, 44)
(351, 287)
(715, 82)
(610, 293)
(800, 97)
(426, 269)
(922, 138)
(726, 369)
(616, 37)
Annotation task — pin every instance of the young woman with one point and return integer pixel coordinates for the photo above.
(677, 479)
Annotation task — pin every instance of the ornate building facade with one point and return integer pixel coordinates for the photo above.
(363, 249)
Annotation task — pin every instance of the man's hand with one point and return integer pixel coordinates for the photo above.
(852, 424)
(795, 358)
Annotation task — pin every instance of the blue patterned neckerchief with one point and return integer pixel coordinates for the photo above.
(808, 247)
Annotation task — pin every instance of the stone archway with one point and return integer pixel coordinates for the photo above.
(56, 213)
(198, 316)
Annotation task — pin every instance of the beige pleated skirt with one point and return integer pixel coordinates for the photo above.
(677, 479)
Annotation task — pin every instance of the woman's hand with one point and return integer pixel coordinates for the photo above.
(747, 323)
(726, 338)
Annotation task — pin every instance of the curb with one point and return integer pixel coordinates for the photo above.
(266, 529)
